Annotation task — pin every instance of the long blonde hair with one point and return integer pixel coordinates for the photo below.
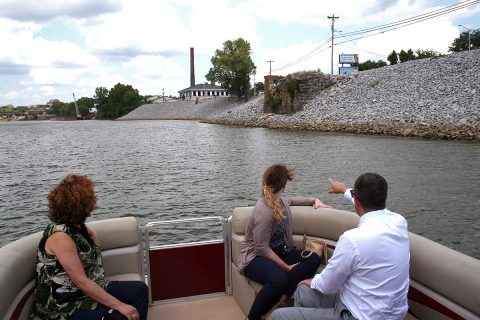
(274, 180)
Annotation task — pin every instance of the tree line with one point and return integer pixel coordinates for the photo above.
(459, 44)
(110, 104)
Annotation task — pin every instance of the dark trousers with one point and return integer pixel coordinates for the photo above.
(134, 293)
(276, 281)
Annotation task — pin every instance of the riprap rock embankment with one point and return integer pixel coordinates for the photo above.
(431, 98)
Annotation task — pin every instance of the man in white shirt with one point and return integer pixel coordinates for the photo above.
(367, 276)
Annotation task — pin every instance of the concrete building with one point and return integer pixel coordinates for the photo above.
(204, 90)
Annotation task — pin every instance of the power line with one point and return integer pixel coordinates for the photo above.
(358, 48)
(415, 19)
(307, 56)
(410, 22)
(385, 28)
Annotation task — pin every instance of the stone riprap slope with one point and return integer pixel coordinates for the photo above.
(182, 109)
(431, 98)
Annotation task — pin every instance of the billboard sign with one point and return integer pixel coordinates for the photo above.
(348, 58)
(346, 70)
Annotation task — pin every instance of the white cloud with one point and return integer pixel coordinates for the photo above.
(48, 90)
(141, 27)
(42, 10)
(146, 43)
(151, 74)
(12, 95)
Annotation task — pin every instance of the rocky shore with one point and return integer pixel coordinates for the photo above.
(430, 98)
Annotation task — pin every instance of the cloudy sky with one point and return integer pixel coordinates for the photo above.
(51, 48)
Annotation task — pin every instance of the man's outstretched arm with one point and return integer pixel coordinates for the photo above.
(340, 187)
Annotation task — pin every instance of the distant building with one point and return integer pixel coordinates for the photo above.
(205, 90)
(37, 109)
(52, 101)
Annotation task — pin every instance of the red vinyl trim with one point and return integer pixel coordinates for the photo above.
(187, 271)
(418, 296)
(18, 309)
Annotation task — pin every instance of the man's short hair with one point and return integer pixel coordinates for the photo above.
(371, 191)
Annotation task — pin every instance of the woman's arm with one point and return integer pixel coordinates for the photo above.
(275, 258)
(315, 202)
(64, 249)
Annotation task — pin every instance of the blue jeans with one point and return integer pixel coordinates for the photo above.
(134, 293)
(276, 281)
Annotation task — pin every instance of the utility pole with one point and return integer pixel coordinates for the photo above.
(270, 61)
(333, 35)
(468, 35)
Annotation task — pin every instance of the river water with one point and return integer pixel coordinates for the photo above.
(157, 170)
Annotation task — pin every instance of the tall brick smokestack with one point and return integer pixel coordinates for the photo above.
(192, 68)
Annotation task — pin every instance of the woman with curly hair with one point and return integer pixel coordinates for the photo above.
(268, 255)
(70, 275)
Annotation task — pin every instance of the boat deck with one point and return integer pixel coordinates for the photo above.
(210, 308)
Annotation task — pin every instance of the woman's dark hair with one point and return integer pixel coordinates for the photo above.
(371, 191)
(275, 179)
(72, 200)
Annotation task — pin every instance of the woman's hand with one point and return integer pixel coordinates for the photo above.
(290, 267)
(128, 311)
(319, 204)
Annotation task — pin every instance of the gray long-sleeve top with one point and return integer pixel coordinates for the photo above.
(260, 228)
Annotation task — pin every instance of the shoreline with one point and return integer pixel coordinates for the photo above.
(436, 98)
(417, 131)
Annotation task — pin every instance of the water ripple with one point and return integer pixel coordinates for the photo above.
(157, 170)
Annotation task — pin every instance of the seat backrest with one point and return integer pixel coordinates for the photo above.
(122, 246)
(18, 260)
(444, 275)
(122, 253)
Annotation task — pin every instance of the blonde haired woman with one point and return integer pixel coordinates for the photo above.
(268, 255)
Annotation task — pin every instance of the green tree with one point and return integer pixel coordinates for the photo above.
(100, 97)
(232, 67)
(393, 57)
(403, 56)
(423, 54)
(84, 105)
(259, 86)
(370, 64)
(410, 55)
(461, 43)
(62, 109)
(121, 100)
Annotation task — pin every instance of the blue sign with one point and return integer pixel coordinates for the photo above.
(346, 70)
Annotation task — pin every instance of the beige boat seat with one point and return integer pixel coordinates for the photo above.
(122, 254)
(324, 224)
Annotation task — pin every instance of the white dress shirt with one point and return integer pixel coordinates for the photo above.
(370, 267)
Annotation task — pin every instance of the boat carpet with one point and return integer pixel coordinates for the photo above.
(211, 308)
